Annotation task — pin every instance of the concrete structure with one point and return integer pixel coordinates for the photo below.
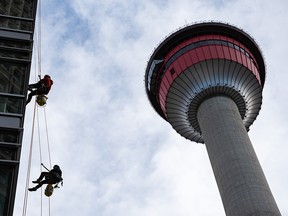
(206, 80)
(17, 18)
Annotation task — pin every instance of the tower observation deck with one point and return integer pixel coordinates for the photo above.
(206, 80)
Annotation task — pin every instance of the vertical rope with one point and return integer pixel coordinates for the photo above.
(47, 138)
(30, 147)
(49, 154)
(40, 156)
(39, 73)
(49, 206)
(39, 138)
(39, 37)
(38, 59)
(37, 69)
(29, 166)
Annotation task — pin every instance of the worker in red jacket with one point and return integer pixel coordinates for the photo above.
(40, 88)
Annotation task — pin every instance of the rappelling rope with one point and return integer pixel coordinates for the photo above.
(40, 156)
(49, 154)
(39, 75)
(39, 67)
(29, 166)
(38, 39)
(47, 138)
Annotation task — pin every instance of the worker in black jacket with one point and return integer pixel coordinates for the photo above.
(54, 176)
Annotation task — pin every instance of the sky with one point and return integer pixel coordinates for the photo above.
(118, 156)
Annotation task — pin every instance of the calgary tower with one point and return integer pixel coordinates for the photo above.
(206, 80)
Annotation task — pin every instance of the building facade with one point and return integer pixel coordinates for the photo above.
(206, 80)
(17, 21)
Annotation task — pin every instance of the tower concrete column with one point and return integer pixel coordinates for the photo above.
(240, 179)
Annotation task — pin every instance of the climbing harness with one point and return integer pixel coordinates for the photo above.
(41, 99)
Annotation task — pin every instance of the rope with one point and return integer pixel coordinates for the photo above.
(39, 139)
(39, 37)
(40, 157)
(30, 153)
(49, 153)
(39, 63)
(39, 74)
(47, 138)
(29, 166)
(38, 44)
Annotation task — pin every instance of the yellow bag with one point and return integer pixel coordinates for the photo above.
(41, 100)
(49, 190)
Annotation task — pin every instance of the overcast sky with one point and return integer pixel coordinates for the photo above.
(119, 158)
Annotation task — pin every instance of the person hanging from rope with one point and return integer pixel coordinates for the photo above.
(42, 87)
(54, 176)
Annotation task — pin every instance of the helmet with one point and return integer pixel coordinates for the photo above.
(56, 167)
(47, 76)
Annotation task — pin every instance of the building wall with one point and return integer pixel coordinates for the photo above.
(17, 18)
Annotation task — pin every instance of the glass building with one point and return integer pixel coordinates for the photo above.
(17, 21)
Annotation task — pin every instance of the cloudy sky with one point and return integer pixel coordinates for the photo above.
(119, 158)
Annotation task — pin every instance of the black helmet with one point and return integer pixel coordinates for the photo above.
(47, 76)
(56, 167)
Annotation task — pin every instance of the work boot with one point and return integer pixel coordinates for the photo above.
(36, 182)
(32, 189)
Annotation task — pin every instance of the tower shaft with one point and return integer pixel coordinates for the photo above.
(240, 179)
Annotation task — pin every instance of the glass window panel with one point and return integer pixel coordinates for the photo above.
(8, 121)
(16, 54)
(7, 153)
(225, 43)
(12, 76)
(9, 136)
(236, 47)
(10, 104)
(16, 44)
(18, 8)
(25, 25)
(6, 173)
(230, 44)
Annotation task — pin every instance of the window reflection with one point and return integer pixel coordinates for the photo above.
(14, 43)
(5, 180)
(9, 137)
(16, 24)
(18, 8)
(12, 77)
(16, 54)
(10, 104)
(7, 153)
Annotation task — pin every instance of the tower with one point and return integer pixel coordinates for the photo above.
(17, 20)
(206, 80)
